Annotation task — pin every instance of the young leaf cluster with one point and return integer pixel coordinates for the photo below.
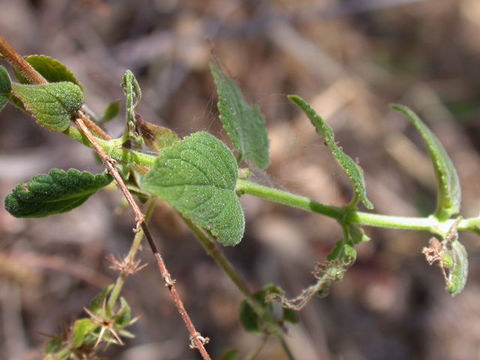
(86, 334)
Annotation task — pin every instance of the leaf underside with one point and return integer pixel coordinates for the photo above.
(448, 185)
(156, 137)
(244, 124)
(52, 105)
(353, 171)
(57, 192)
(197, 177)
(51, 69)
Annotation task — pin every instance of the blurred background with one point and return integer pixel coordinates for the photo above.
(350, 59)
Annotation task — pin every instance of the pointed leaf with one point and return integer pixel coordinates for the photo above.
(124, 315)
(81, 328)
(133, 94)
(97, 302)
(353, 171)
(357, 234)
(197, 176)
(52, 105)
(111, 111)
(448, 187)
(5, 86)
(244, 124)
(51, 69)
(53, 193)
(156, 137)
(290, 315)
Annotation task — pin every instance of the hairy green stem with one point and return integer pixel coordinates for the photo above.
(286, 198)
(129, 260)
(113, 149)
(343, 214)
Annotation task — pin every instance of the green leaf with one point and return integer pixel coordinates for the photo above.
(357, 234)
(156, 137)
(343, 251)
(96, 304)
(340, 259)
(290, 315)
(111, 111)
(244, 124)
(52, 105)
(353, 171)
(5, 87)
(197, 176)
(53, 193)
(124, 315)
(51, 69)
(53, 345)
(81, 328)
(249, 318)
(458, 269)
(133, 95)
(452, 259)
(132, 91)
(52, 348)
(448, 186)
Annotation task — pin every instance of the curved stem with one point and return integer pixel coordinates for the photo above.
(286, 198)
(343, 214)
(302, 202)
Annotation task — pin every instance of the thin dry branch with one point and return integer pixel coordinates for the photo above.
(197, 341)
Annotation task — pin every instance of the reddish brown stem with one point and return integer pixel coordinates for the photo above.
(17, 61)
(34, 77)
(197, 341)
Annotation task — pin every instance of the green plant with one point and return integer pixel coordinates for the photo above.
(199, 177)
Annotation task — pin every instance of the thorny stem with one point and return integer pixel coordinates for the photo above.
(109, 164)
(197, 341)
